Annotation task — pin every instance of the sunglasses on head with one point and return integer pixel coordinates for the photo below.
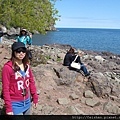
(19, 50)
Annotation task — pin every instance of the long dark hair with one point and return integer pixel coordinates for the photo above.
(25, 61)
(71, 51)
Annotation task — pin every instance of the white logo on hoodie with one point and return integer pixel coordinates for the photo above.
(20, 83)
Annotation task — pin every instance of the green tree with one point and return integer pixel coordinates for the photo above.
(39, 15)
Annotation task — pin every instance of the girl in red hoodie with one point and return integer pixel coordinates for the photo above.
(18, 85)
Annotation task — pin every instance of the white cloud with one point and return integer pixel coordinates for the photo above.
(84, 22)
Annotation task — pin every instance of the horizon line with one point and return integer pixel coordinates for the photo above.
(87, 28)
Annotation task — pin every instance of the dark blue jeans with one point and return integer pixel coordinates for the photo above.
(84, 69)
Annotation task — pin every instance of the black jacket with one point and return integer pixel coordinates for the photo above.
(69, 58)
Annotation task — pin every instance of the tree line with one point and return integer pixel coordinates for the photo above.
(34, 15)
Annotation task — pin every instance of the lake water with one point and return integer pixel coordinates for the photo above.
(83, 38)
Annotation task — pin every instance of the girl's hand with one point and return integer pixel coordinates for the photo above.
(14, 40)
(30, 35)
(35, 105)
(9, 113)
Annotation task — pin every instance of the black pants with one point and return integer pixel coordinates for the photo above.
(29, 54)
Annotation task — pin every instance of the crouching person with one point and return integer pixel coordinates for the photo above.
(70, 57)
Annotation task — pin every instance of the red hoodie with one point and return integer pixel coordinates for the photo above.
(13, 83)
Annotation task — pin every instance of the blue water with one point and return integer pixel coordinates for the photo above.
(83, 38)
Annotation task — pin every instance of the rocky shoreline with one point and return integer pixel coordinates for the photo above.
(66, 92)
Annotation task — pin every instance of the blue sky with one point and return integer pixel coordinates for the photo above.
(88, 14)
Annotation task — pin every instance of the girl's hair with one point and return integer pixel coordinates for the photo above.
(71, 50)
(22, 34)
(25, 61)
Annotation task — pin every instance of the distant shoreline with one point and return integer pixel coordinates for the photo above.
(88, 28)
